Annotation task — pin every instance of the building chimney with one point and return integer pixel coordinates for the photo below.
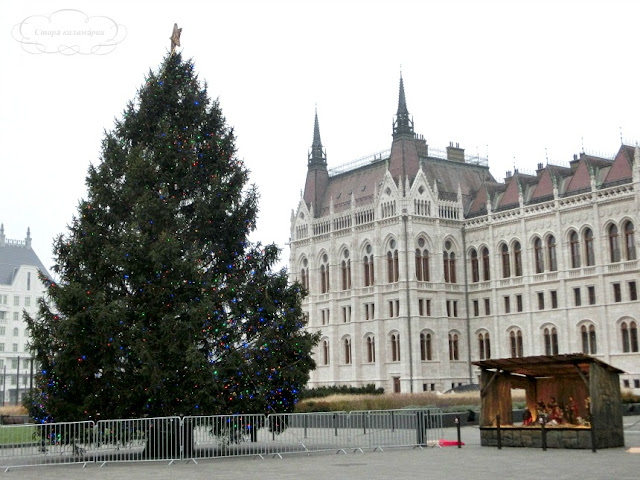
(455, 154)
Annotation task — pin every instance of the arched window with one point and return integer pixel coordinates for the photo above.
(392, 263)
(588, 248)
(452, 267)
(551, 252)
(538, 253)
(486, 270)
(371, 349)
(550, 341)
(574, 247)
(517, 259)
(325, 352)
(304, 274)
(614, 244)
(629, 337)
(484, 346)
(629, 241)
(324, 274)
(475, 270)
(506, 266)
(449, 263)
(589, 344)
(367, 262)
(454, 352)
(515, 339)
(395, 347)
(347, 351)
(426, 352)
(422, 262)
(345, 270)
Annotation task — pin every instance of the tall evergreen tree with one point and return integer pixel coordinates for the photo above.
(163, 305)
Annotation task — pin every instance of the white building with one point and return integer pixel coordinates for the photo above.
(20, 290)
(419, 262)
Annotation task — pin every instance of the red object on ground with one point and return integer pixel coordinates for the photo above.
(449, 443)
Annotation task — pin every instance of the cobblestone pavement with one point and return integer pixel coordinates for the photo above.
(469, 462)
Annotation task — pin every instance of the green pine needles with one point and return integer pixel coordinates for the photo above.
(163, 306)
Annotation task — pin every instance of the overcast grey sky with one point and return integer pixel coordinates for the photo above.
(521, 81)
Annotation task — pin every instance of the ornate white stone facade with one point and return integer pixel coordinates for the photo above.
(464, 267)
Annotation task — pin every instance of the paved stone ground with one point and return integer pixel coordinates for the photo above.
(469, 462)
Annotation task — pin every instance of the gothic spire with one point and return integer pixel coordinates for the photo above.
(403, 123)
(317, 155)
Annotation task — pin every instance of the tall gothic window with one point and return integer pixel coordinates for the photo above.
(506, 263)
(395, 347)
(367, 263)
(449, 263)
(324, 274)
(588, 248)
(515, 339)
(325, 352)
(538, 253)
(629, 337)
(484, 346)
(371, 349)
(425, 346)
(345, 271)
(475, 271)
(422, 261)
(347, 351)
(454, 351)
(589, 344)
(392, 263)
(486, 269)
(614, 244)
(550, 341)
(629, 241)
(517, 259)
(304, 274)
(574, 247)
(551, 252)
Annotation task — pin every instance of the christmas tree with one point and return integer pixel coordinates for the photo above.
(163, 307)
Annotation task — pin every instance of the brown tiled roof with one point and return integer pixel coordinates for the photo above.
(511, 196)
(544, 188)
(620, 171)
(361, 181)
(580, 180)
(448, 176)
(545, 365)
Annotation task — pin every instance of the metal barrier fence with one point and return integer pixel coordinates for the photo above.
(396, 428)
(205, 437)
(54, 443)
(137, 440)
(223, 436)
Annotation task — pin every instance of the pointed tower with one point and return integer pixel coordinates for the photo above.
(403, 124)
(404, 159)
(317, 174)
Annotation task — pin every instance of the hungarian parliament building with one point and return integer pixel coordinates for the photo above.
(417, 262)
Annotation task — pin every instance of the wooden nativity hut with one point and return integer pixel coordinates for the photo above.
(573, 401)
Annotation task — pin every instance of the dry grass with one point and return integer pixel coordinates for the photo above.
(392, 401)
(387, 401)
(13, 410)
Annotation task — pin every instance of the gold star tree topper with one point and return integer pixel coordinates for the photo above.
(175, 37)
